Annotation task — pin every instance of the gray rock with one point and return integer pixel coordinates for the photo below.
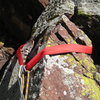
(90, 7)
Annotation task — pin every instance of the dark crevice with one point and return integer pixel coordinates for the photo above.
(98, 82)
(79, 41)
(16, 20)
(69, 31)
(60, 37)
(37, 42)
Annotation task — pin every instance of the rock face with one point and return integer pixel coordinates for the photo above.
(89, 7)
(70, 76)
(63, 76)
(87, 17)
(5, 54)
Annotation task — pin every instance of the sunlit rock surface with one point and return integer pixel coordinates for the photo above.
(70, 76)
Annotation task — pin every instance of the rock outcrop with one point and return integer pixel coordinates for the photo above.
(87, 17)
(70, 76)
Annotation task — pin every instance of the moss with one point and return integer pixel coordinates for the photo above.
(70, 59)
(81, 15)
(88, 74)
(89, 65)
(97, 77)
(50, 43)
(1, 43)
(81, 12)
(92, 91)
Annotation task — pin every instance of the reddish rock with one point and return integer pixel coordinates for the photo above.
(68, 76)
(44, 2)
(5, 54)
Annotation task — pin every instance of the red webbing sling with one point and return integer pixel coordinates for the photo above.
(63, 48)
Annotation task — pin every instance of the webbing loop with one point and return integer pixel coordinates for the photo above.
(58, 49)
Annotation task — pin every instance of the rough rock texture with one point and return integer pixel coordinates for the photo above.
(71, 76)
(9, 84)
(90, 7)
(53, 11)
(66, 76)
(16, 21)
(87, 17)
(5, 54)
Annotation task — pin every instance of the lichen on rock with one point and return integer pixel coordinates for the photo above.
(71, 76)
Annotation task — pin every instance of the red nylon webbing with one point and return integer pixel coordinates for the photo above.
(19, 55)
(64, 48)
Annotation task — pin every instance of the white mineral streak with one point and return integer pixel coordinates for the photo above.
(81, 37)
(48, 72)
(78, 98)
(65, 93)
(49, 88)
(82, 81)
(41, 89)
(34, 95)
